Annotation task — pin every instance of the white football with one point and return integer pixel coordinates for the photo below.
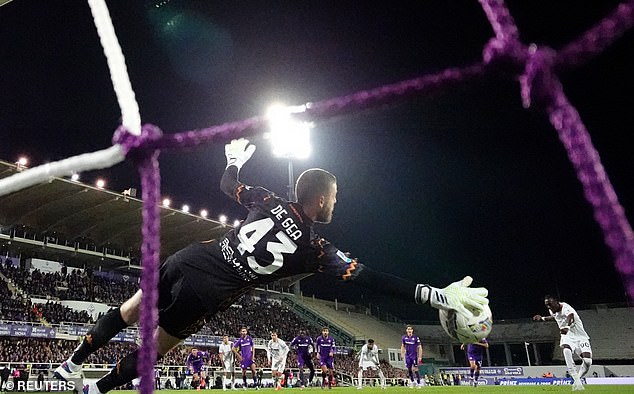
(466, 330)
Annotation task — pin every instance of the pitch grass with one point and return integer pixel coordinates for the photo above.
(590, 389)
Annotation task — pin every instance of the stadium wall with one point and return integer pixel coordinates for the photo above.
(558, 371)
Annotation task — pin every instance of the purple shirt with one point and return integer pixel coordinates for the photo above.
(325, 345)
(411, 346)
(302, 344)
(245, 345)
(196, 362)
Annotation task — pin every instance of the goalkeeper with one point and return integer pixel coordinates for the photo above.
(275, 241)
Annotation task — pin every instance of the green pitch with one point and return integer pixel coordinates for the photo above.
(592, 389)
(607, 389)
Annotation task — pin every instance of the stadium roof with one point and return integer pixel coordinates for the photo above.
(69, 221)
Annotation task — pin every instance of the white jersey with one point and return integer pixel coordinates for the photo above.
(369, 357)
(576, 332)
(276, 350)
(227, 352)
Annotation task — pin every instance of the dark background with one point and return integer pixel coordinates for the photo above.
(461, 182)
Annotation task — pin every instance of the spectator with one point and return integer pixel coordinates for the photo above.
(4, 377)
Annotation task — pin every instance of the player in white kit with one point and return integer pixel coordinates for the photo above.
(369, 359)
(228, 361)
(574, 338)
(276, 351)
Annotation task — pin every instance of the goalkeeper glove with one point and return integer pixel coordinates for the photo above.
(238, 153)
(457, 296)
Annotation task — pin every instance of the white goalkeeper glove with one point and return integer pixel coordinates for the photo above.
(238, 153)
(457, 296)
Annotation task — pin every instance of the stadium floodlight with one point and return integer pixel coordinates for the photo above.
(204, 213)
(101, 183)
(21, 163)
(185, 208)
(290, 138)
(74, 177)
(222, 219)
(236, 223)
(167, 202)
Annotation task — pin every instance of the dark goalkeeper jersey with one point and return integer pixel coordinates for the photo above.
(275, 241)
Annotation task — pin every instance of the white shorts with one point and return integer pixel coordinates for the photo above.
(278, 364)
(578, 345)
(365, 365)
(228, 365)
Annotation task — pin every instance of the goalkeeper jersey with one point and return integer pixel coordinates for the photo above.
(275, 241)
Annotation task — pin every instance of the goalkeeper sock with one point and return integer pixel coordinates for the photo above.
(107, 327)
(360, 377)
(123, 372)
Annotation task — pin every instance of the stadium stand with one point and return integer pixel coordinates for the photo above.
(358, 326)
(260, 316)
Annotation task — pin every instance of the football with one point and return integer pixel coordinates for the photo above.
(466, 330)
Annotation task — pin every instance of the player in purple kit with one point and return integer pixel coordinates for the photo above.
(243, 349)
(475, 352)
(276, 240)
(412, 353)
(325, 345)
(305, 347)
(195, 362)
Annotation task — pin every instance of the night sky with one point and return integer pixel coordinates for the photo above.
(464, 181)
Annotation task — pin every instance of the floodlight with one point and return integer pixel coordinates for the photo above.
(290, 138)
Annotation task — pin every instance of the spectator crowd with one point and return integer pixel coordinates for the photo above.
(81, 285)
